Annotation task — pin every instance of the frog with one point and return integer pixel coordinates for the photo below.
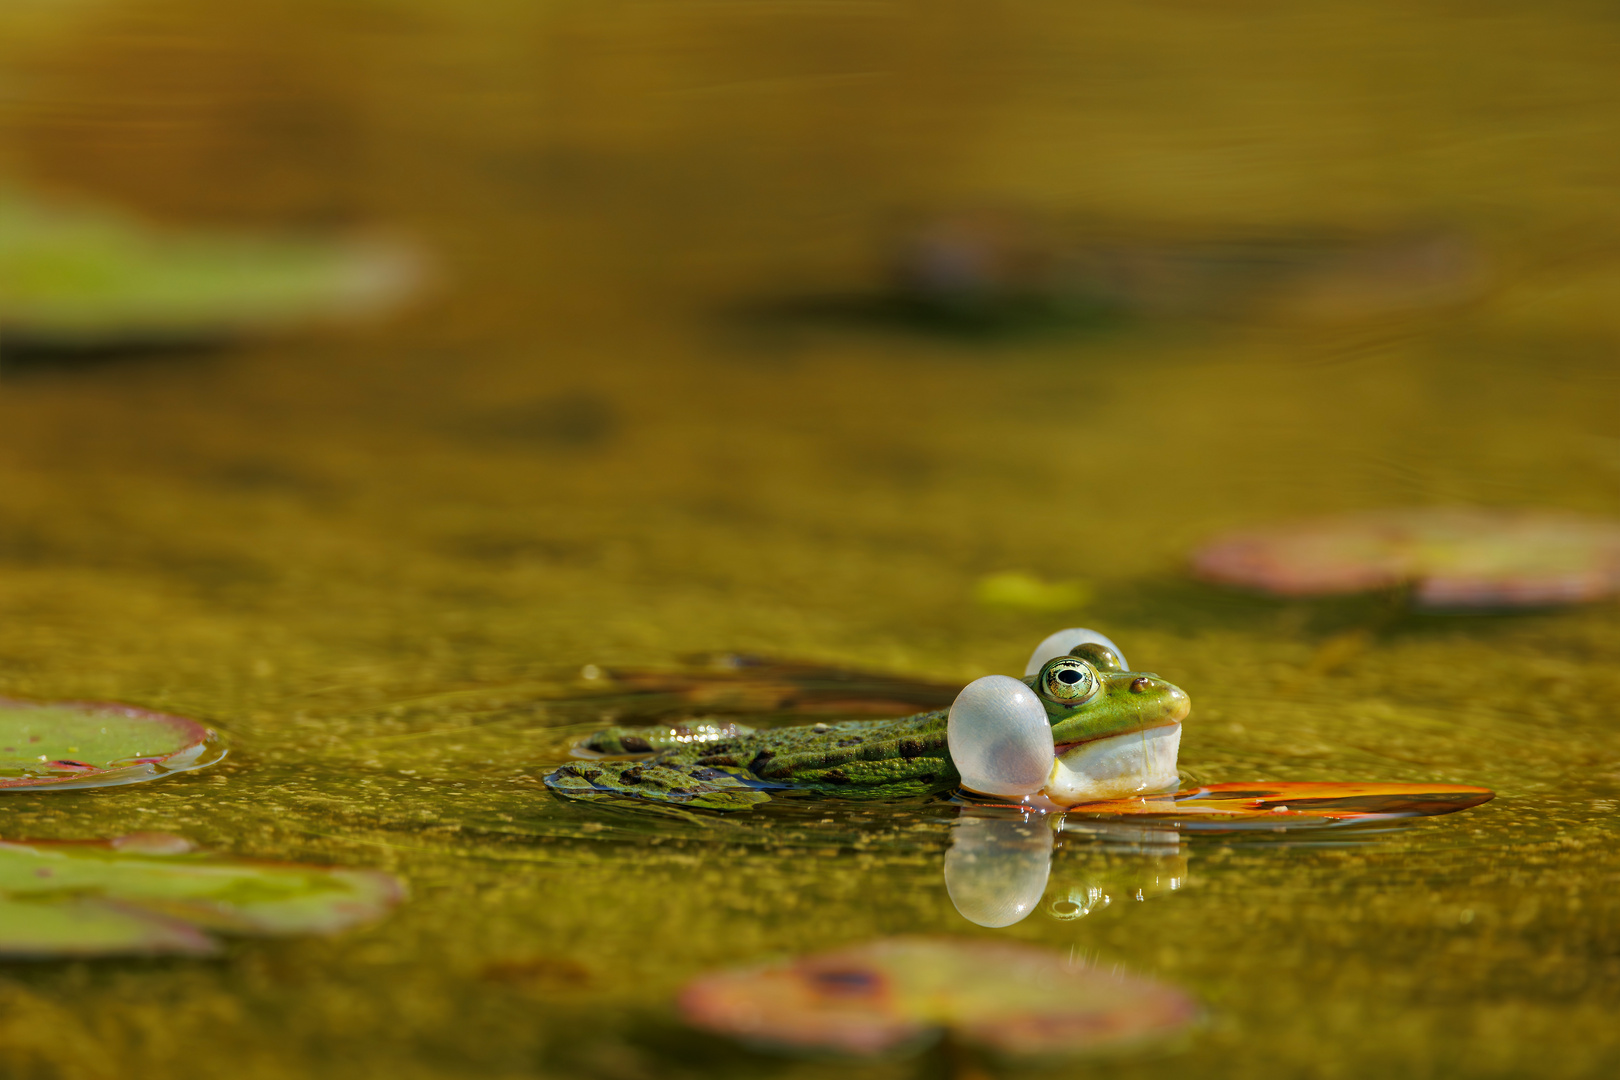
(1079, 727)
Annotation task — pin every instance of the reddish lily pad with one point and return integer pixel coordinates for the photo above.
(79, 744)
(151, 894)
(1292, 804)
(899, 994)
(1452, 558)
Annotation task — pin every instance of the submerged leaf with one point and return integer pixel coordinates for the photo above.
(99, 898)
(1452, 558)
(901, 993)
(79, 744)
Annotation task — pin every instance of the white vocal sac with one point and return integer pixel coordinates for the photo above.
(1000, 738)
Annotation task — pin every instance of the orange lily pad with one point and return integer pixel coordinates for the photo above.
(1290, 804)
(901, 994)
(1452, 558)
(79, 744)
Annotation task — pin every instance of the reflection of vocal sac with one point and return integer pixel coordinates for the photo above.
(999, 863)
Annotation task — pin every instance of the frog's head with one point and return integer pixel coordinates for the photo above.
(1077, 728)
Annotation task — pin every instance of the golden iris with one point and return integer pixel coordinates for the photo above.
(1069, 680)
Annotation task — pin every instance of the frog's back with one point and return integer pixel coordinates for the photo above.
(728, 766)
(859, 759)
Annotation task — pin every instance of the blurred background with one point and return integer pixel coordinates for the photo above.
(657, 384)
(353, 351)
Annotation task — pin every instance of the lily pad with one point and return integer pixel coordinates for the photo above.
(147, 895)
(1451, 558)
(1291, 804)
(900, 994)
(80, 744)
(91, 278)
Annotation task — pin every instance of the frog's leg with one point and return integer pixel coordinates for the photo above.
(660, 780)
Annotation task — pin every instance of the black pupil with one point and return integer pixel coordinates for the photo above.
(1069, 675)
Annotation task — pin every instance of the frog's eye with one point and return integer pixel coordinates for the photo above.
(1068, 680)
(1000, 738)
(1065, 642)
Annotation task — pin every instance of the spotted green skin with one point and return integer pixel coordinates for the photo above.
(731, 767)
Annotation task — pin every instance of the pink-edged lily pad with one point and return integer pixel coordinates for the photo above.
(1293, 803)
(152, 894)
(1457, 558)
(80, 744)
(899, 994)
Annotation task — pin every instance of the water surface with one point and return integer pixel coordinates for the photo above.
(377, 559)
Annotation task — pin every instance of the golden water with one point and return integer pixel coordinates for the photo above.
(371, 557)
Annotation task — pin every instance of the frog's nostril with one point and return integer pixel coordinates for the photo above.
(1142, 685)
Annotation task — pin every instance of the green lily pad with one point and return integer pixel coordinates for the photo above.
(80, 744)
(900, 994)
(88, 278)
(148, 895)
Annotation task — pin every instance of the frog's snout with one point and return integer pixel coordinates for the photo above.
(1172, 698)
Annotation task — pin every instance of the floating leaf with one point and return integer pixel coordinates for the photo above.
(1291, 804)
(899, 994)
(79, 744)
(91, 278)
(1452, 558)
(84, 928)
(125, 896)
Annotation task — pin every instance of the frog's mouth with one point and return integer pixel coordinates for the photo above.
(1136, 762)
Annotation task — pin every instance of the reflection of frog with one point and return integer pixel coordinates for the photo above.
(999, 861)
(1107, 732)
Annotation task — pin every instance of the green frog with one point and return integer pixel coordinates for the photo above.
(1077, 728)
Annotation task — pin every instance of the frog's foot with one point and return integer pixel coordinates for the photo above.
(682, 784)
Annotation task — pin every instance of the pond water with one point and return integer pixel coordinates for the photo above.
(618, 432)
